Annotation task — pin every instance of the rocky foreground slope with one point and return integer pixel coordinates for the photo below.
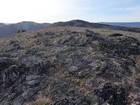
(69, 67)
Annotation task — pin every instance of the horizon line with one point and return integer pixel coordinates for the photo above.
(70, 20)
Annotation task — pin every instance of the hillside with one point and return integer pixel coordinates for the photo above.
(6, 30)
(70, 66)
(81, 23)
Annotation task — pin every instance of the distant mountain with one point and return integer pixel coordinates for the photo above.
(10, 29)
(6, 30)
(81, 23)
(2, 24)
(125, 24)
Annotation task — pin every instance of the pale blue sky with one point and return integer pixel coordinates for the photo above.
(63, 10)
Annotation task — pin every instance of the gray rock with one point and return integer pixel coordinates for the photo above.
(94, 63)
(32, 77)
(73, 69)
(83, 41)
(95, 42)
(32, 82)
(18, 101)
(30, 60)
(28, 93)
(12, 95)
(103, 66)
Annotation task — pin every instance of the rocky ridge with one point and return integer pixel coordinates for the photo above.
(70, 68)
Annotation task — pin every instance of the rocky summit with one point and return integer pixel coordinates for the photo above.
(70, 66)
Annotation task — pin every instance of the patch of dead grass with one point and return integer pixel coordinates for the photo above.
(40, 101)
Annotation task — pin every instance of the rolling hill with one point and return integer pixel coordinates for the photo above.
(6, 30)
(81, 23)
(10, 29)
(2, 24)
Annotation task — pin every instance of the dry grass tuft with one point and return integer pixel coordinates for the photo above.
(40, 101)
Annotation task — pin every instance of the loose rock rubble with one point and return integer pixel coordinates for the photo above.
(71, 68)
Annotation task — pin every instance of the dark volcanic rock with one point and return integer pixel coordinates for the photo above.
(5, 62)
(116, 35)
(114, 95)
(122, 47)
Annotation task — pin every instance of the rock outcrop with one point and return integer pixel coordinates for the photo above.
(71, 68)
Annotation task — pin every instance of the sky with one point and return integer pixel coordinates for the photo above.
(12, 11)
